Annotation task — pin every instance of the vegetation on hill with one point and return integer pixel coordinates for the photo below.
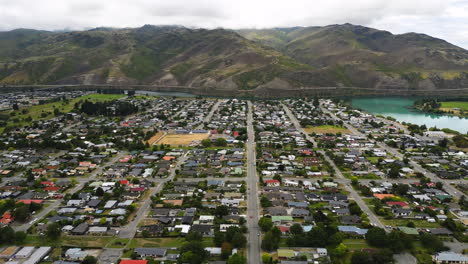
(336, 55)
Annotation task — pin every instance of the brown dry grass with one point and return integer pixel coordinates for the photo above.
(155, 137)
(326, 129)
(182, 139)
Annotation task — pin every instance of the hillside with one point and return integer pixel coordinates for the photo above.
(275, 59)
(165, 55)
(366, 57)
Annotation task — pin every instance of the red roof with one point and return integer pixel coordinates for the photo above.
(30, 201)
(51, 189)
(124, 182)
(139, 189)
(272, 181)
(402, 204)
(48, 183)
(283, 229)
(131, 261)
(7, 218)
(236, 133)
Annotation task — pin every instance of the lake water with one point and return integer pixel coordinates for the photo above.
(399, 108)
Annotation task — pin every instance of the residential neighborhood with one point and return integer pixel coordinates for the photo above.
(132, 178)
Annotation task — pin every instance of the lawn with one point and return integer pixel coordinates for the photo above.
(182, 139)
(356, 244)
(455, 104)
(168, 242)
(325, 129)
(404, 222)
(46, 111)
(70, 241)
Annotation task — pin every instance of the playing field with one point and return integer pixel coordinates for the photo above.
(182, 139)
(455, 104)
(155, 138)
(325, 129)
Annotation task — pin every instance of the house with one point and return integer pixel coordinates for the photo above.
(352, 230)
(447, 257)
(401, 212)
(151, 252)
(80, 229)
(272, 183)
(75, 254)
(131, 261)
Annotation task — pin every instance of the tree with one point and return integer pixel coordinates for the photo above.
(265, 224)
(268, 242)
(226, 250)
(20, 236)
(21, 213)
(237, 259)
(193, 252)
(394, 172)
(376, 237)
(266, 258)
(53, 231)
(99, 191)
(431, 242)
(361, 257)
(89, 260)
(220, 142)
(340, 250)
(296, 229)
(221, 211)
(194, 236)
(239, 240)
(354, 209)
(206, 143)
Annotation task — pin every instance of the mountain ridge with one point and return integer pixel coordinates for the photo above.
(246, 59)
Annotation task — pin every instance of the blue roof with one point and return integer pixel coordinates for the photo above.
(353, 229)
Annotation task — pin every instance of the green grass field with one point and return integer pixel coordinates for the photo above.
(19, 117)
(455, 104)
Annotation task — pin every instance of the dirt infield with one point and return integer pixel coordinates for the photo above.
(326, 129)
(182, 139)
(155, 138)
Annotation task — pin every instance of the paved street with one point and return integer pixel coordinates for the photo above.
(253, 209)
(58, 202)
(374, 220)
(448, 188)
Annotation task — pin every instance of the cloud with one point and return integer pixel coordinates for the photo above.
(441, 18)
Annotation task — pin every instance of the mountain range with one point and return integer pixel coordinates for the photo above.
(233, 60)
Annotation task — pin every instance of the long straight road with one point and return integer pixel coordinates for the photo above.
(129, 230)
(253, 210)
(210, 114)
(374, 220)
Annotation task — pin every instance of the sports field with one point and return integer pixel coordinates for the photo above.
(325, 129)
(182, 139)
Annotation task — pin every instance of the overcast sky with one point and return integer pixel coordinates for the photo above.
(446, 19)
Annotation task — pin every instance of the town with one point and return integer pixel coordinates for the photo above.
(109, 177)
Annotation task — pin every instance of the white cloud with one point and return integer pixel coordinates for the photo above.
(446, 19)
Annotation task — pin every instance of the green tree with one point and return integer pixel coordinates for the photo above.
(266, 258)
(361, 257)
(89, 260)
(237, 259)
(220, 142)
(431, 242)
(340, 250)
(265, 224)
(239, 240)
(206, 143)
(221, 211)
(53, 231)
(296, 229)
(21, 213)
(376, 237)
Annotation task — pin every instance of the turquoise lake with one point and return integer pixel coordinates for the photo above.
(399, 108)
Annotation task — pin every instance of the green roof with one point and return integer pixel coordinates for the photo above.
(279, 218)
